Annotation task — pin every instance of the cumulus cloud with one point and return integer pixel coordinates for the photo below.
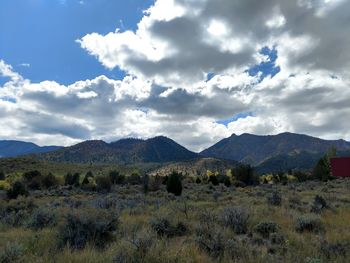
(167, 89)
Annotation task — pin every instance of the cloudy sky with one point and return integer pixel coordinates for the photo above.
(193, 70)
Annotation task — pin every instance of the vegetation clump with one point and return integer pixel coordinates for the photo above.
(163, 227)
(309, 223)
(72, 179)
(103, 183)
(319, 204)
(174, 184)
(11, 253)
(17, 189)
(237, 219)
(94, 227)
(42, 218)
(265, 229)
(274, 199)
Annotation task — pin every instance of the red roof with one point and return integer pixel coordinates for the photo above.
(340, 166)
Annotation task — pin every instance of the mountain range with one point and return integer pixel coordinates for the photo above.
(271, 153)
(126, 151)
(11, 148)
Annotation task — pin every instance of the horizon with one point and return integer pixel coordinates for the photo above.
(195, 72)
(198, 151)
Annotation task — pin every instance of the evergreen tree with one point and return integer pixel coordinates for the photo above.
(174, 184)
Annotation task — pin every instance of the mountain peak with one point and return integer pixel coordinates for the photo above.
(257, 148)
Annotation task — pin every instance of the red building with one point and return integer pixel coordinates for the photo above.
(340, 166)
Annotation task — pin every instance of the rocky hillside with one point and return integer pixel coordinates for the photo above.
(256, 149)
(126, 151)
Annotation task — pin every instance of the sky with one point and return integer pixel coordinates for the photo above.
(196, 71)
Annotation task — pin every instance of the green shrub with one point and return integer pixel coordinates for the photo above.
(336, 249)
(210, 240)
(145, 183)
(319, 204)
(227, 181)
(116, 177)
(237, 219)
(2, 175)
(134, 179)
(11, 253)
(50, 181)
(15, 212)
(266, 228)
(174, 184)
(87, 178)
(83, 227)
(35, 183)
(33, 179)
(17, 189)
(302, 176)
(274, 199)
(309, 223)
(213, 179)
(72, 179)
(42, 218)
(155, 183)
(246, 174)
(103, 183)
(28, 176)
(163, 227)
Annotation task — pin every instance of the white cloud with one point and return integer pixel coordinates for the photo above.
(167, 61)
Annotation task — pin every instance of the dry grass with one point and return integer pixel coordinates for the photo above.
(136, 211)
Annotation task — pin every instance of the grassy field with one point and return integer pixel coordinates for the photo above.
(296, 222)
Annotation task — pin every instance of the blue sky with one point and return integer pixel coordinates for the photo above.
(37, 37)
(195, 71)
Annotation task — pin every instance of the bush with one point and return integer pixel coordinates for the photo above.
(28, 176)
(319, 204)
(103, 183)
(2, 175)
(211, 241)
(198, 180)
(33, 179)
(266, 228)
(335, 249)
(274, 199)
(17, 189)
(87, 178)
(174, 184)
(4, 185)
(72, 179)
(49, 181)
(227, 181)
(95, 227)
(145, 183)
(213, 179)
(309, 223)
(116, 177)
(155, 183)
(42, 218)
(163, 227)
(35, 183)
(246, 174)
(237, 219)
(134, 179)
(11, 253)
(301, 176)
(15, 212)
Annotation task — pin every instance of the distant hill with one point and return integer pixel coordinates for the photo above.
(126, 151)
(285, 147)
(196, 167)
(10, 148)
